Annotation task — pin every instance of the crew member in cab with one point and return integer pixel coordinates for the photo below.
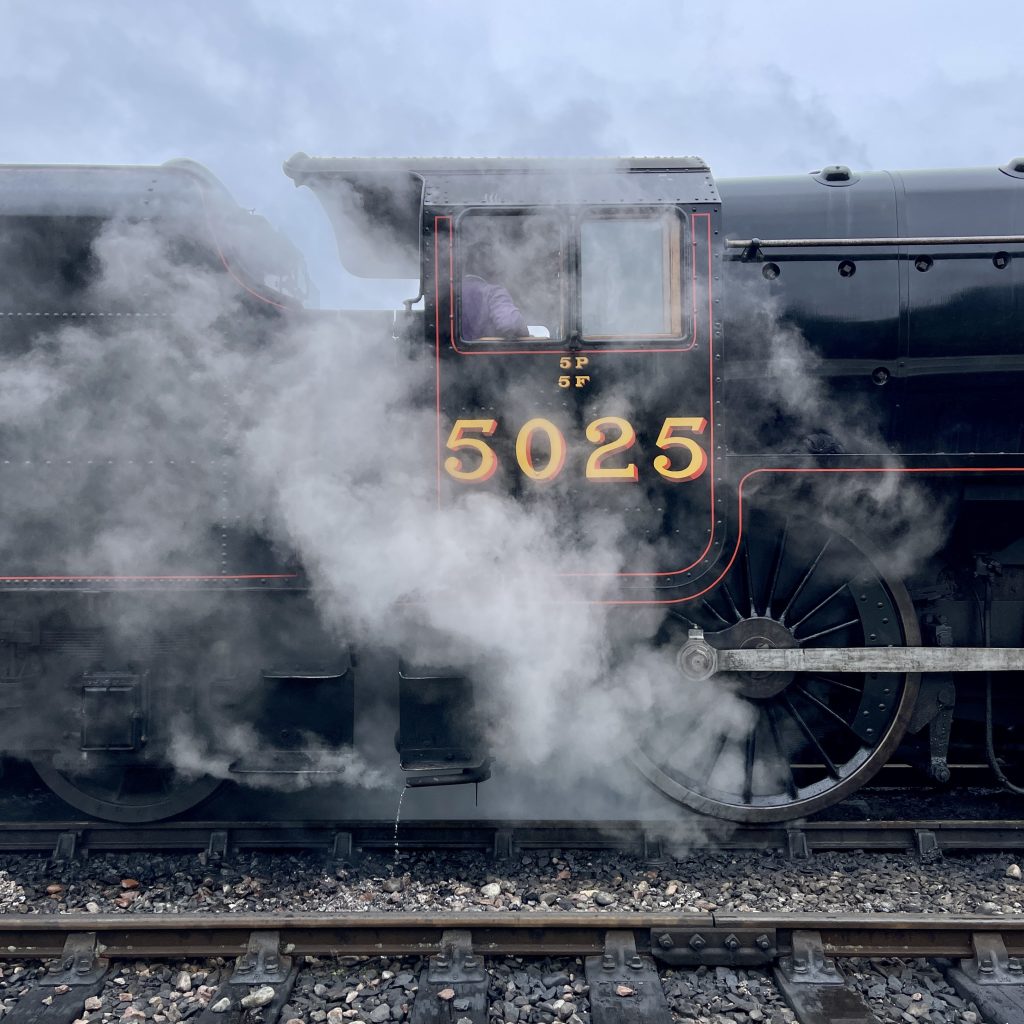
(488, 311)
(492, 263)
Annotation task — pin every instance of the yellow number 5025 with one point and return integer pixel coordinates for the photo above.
(623, 438)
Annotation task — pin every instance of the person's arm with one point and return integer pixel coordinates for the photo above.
(505, 315)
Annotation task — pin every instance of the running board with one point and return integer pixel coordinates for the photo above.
(697, 659)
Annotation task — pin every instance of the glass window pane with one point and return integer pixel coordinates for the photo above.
(511, 277)
(627, 269)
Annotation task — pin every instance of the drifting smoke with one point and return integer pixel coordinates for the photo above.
(170, 434)
(781, 383)
(343, 453)
(150, 439)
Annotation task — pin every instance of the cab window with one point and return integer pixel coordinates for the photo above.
(511, 276)
(630, 276)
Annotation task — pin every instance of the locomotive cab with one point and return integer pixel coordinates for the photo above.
(570, 309)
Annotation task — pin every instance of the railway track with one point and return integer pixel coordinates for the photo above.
(625, 956)
(346, 841)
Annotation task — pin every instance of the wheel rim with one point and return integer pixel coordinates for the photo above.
(126, 793)
(772, 747)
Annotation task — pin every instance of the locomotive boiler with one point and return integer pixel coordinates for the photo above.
(796, 398)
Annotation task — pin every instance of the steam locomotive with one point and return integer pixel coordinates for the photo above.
(797, 396)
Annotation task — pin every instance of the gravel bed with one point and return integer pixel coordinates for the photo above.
(157, 991)
(909, 992)
(713, 994)
(379, 990)
(551, 991)
(15, 979)
(538, 882)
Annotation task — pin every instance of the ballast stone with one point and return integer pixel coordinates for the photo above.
(261, 997)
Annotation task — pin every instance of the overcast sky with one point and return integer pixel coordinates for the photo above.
(753, 87)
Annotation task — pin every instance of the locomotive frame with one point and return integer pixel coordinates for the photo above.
(826, 659)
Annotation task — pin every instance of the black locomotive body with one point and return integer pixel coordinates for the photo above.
(795, 398)
(137, 601)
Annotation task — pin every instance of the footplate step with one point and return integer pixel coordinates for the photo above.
(453, 986)
(624, 986)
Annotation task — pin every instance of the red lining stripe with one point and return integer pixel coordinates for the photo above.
(185, 579)
(710, 417)
(558, 352)
(589, 351)
(224, 260)
(777, 469)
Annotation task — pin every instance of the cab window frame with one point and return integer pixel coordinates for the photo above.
(675, 268)
(566, 262)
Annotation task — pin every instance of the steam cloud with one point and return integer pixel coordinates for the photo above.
(139, 443)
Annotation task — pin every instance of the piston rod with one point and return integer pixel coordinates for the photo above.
(700, 659)
(873, 659)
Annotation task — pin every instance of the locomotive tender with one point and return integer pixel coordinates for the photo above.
(798, 395)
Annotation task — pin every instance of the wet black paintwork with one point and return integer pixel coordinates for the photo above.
(950, 337)
(642, 382)
(923, 362)
(945, 342)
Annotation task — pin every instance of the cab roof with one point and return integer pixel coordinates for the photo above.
(376, 204)
(301, 163)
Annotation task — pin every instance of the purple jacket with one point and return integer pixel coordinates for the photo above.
(489, 312)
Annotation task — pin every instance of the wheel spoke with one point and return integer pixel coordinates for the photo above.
(811, 738)
(709, 765)
(665, 737)
(804, 579)
(776, 569)
(827, 632)
(732, 603)
(714, 611)
(828, 711)
(748, 768)
(838, 684)
(750, 580)
(679, 615)
(817, 608)
(773, 724)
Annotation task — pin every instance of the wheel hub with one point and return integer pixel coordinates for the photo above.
(758, 634)
(696, 657)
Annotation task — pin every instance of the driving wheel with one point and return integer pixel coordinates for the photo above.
(771, 746)
(130, 793)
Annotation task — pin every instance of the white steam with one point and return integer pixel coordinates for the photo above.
(154, 440)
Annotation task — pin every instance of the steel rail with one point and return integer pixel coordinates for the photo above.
(509, 838)
(504, 933)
